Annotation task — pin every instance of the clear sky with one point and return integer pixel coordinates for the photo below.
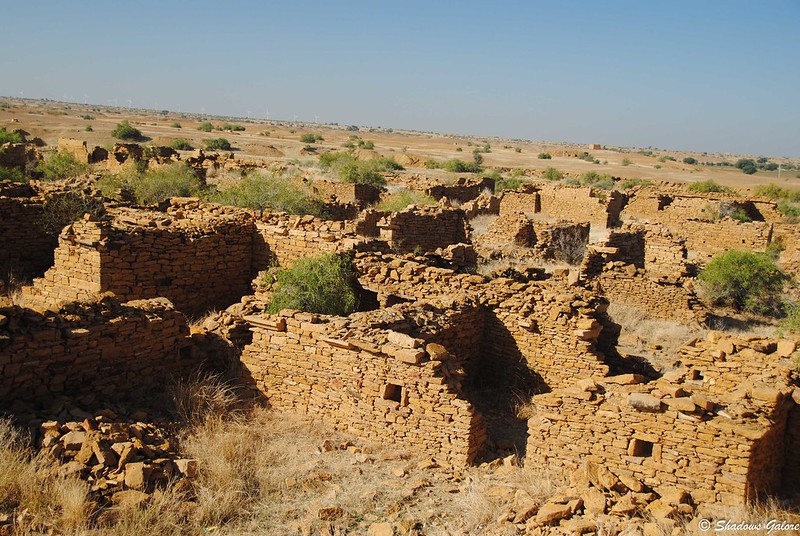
(685, 75)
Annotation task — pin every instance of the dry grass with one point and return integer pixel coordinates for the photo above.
(37, 500)
(480, 224)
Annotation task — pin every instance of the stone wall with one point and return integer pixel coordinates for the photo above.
(573, 203)
(465, 189)
(362, 195)
(390, 375)
(787, 235)
(544, 325)
(674, 432)
(94, 351)
(197, 255)
(673, 208)
(704, 240)
(425, 228)
(286, 238)
(27, 249)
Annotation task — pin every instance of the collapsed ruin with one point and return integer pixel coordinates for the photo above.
(437, 359)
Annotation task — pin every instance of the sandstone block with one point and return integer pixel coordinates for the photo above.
(644, 402)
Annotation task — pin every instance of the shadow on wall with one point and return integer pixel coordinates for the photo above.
(500, 384)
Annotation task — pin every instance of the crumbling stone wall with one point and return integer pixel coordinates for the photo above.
(704, 240)
(539, 324)
(392, 375)
(27, 248)
(287, 238)
(98, 351)
(197, 255)
(573, 203)
(465, 189)
(674, 432)
(787, 235)
(674, 207)
(19, 155)
(425, 228)
(362, 195)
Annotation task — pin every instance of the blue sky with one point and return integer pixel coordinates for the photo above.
(700, 75)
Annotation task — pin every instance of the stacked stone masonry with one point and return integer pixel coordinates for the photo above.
(101, 350)
(577, 204)
(425, 228)
(721, 436)
(27, 249)
(197, 256)
(393, 375)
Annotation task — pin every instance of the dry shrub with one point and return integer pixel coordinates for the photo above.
(204, 396)
(31, 494)
(480, 224)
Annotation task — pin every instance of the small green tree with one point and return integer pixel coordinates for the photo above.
(61, 165)
(690, 160)
(544, 156)
(744, 280)
(218, 144)
(747, 165)
(10, 137)
(181, 144)
(205, 127)
(125, 131)
(322, 285)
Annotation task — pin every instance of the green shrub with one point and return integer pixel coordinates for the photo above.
(400, 199)
(270, 192)
(777, 193)
(310, 138)
(459, 166)
(789, 209)
(432, 164)
(61, 165)
(690, 160)
(709, 186)
(10, 137)
(508, 183)
(349, 169)
(181, 144)
(218, 144)
(745, 280)
(175, 125)
(88, 128)
(596, 180)
(125, 131)
(626, 162)
(552, 174)
(545, 156)
(518, 149)
(790, 324)
(205, 127)
(366, 144)
(322, 285)
(232, 128)
(11, 174)
(657, 166)
(153, 186)
(747, 165)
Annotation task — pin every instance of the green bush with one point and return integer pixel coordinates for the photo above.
(626, 162)
(552, 174)
(232, 128)
(88, 128)
(747, 165)
(709, 186)
(596, 180)
(181, 144)
(690, 160)
(11, 174)
(322, 285)
(545, 156)
(270, 192)
(744, 280)
(508, 183)
(61, 165)
(310, 138)
(10, 137)
(125, 131)
(776, 193)
(400, 199)
(432, 164)
(175, 125)
(206, 127)
(459, 166)
(156, 185)
(349, 169)
(218, 144)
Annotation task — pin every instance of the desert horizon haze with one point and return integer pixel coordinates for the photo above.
(717, 77)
